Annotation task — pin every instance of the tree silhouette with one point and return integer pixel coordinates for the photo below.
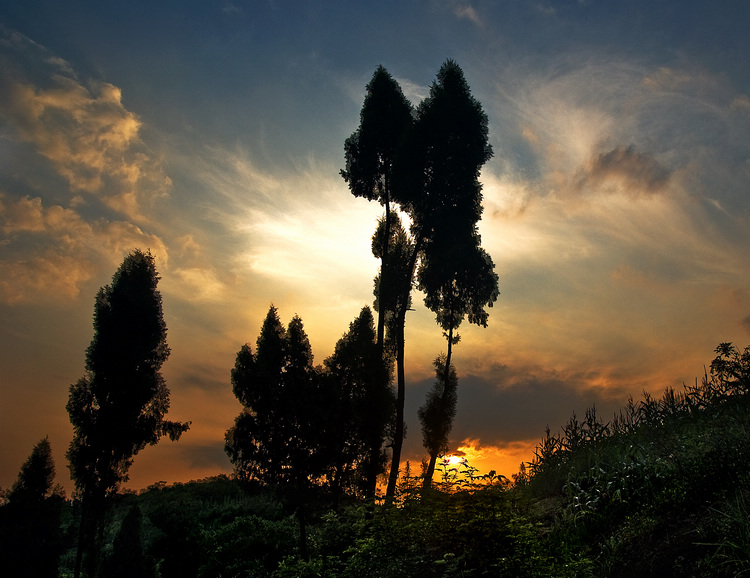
(277, 437)
(118, 407)
(370, 154)
(128, 559)
(394, 298)
(30, 536)
(361, 407)
(439, 171)
(433, 175)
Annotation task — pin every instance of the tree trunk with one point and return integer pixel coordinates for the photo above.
(398, 438)
(82, 527)
(383, 267)
(427, 482)
(302, 520)
(400, 399)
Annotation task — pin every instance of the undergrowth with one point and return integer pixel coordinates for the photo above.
(661, 489)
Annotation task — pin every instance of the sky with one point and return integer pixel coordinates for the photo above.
(616, 205)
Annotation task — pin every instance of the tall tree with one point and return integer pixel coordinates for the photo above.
(434, 178)
(440, 171)
(370, 154)
(277, 437)
(362, 406)
(118, 407)
(30, 537)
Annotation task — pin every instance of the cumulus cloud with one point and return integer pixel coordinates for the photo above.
(74, 146)
(43, 277)
(83, 129)
(50, 252)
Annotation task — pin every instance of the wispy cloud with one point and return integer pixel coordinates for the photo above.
(465, 11)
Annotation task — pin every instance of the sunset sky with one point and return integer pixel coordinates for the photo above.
(616, 206)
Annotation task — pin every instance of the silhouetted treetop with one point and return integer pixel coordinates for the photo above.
(439, 409)
(437, 174)
(37, 475)
(371, 150)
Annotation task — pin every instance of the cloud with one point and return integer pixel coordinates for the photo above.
(91, 176)
(280, 216)
(43, 277)
(415, 93)
(465, 11)
(231, 9)
(197, 284)
(741, 104)
(502, 413)
(623, 169)
(50, 252)
(208, 456)
(84, 130)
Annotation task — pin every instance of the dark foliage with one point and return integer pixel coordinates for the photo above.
(31, 538)
(370, 154)
(361, 404)
(128, 559)
(430, 167)
(118, 407)
(439, 409)
(277, 438)
(661, 489)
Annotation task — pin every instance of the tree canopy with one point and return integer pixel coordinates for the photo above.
(277, 436)
(362, 403)
(118, 407)
(31, 540)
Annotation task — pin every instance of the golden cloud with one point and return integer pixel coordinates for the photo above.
(197, 284)
(87, 134)
(60, 250)
(42, 277)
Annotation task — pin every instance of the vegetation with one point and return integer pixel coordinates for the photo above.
(118, 407)
(437, 413)
(30, 535)
(429, 166)
(661, 489)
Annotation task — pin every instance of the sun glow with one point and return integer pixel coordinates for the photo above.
(455, 458)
